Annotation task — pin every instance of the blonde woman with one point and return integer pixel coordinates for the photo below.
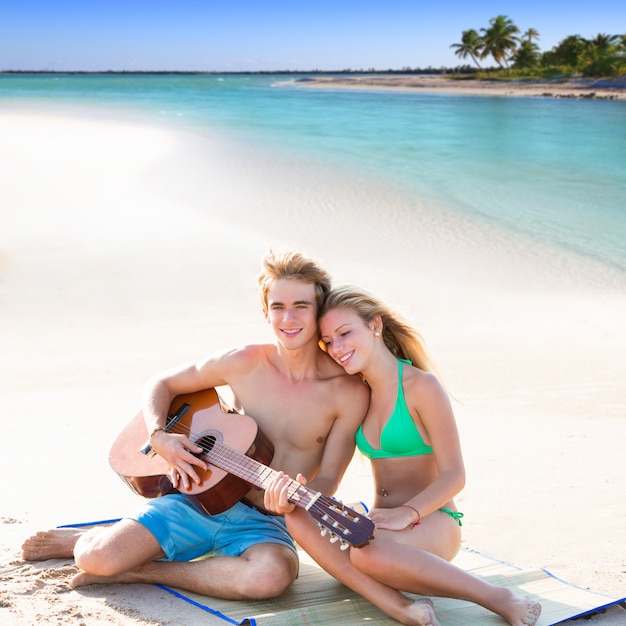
(410, 436)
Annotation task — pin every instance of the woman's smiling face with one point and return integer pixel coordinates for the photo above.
(347, 338)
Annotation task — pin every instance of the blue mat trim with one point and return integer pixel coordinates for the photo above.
(81, 524)
(599, 609)
(590, 612)
(251, 621)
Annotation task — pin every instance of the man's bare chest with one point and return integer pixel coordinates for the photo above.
(292, 416)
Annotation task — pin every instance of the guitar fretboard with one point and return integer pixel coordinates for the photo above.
(255, 473)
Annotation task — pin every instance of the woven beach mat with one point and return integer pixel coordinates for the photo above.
(317, 598)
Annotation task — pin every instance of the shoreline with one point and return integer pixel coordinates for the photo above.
(128, 248)
(588, 88)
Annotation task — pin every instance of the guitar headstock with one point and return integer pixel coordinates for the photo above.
(343, 523)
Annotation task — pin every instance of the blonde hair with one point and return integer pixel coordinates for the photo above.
(403, 341)
(294, 266)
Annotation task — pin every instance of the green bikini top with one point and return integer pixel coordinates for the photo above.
(399, 437)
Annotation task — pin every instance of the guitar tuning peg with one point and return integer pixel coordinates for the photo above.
(323, 530)
(344, 545)
(334, 539)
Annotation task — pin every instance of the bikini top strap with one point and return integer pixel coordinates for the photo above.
(400, 362)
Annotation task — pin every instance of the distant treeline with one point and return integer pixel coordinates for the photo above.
(516, 54)
(514, 51)
(461, 69)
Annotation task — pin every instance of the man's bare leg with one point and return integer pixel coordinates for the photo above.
(337, 563)
(57, 543)
(115, 549)
(127, 552)
(130, 543)
(263, 571)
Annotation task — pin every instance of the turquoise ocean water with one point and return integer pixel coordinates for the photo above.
(553, 170)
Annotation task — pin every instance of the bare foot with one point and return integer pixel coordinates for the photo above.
(57, 543)
(82, 578)
(526, 612)
(422, 613)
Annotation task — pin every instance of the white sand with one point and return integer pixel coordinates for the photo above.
(601, 89)
(125, 249)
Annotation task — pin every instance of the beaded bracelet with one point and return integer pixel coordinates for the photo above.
(419, 517)
(154, 432)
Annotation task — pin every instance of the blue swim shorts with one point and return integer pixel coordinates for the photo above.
(185, 532)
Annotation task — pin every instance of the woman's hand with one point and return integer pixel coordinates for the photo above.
(276, 498)
(398, 518)
(180, 453)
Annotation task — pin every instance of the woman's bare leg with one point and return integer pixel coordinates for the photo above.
(337, 563)
(406, 567)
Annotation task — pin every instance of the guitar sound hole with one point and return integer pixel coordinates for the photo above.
(206, 443)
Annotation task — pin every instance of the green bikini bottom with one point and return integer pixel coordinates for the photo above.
(455, 515)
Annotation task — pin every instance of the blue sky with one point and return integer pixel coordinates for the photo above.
(238, 35)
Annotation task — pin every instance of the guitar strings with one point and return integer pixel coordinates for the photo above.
(233, 461)
(181, 428)
(227, 452)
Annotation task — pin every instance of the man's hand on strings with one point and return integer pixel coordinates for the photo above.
(180, 453)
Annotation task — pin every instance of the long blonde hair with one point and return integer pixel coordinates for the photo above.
(403, 341)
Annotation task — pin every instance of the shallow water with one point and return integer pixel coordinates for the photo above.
(552, 170)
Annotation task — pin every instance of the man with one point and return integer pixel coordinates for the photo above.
(304, 403)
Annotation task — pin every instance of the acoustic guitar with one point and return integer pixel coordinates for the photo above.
(237, 453)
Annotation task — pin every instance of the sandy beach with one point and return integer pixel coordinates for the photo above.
(600, 89)
(126, 248)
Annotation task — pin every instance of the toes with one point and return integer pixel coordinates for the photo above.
(533, 611)
(423, 613)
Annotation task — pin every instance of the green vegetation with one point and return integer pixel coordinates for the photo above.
(518, 56)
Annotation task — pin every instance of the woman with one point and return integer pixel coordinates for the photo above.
(410, 435)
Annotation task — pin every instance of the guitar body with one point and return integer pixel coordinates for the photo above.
(237, 453)
(204, 420)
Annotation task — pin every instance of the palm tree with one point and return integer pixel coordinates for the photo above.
(526, 56)
(531, 34)
(471, 45)
(568, 52)
(601, 55)
(603, 43)
(500, 39)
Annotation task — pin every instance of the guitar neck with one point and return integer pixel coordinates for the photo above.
(257, 474)
(344, 525)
